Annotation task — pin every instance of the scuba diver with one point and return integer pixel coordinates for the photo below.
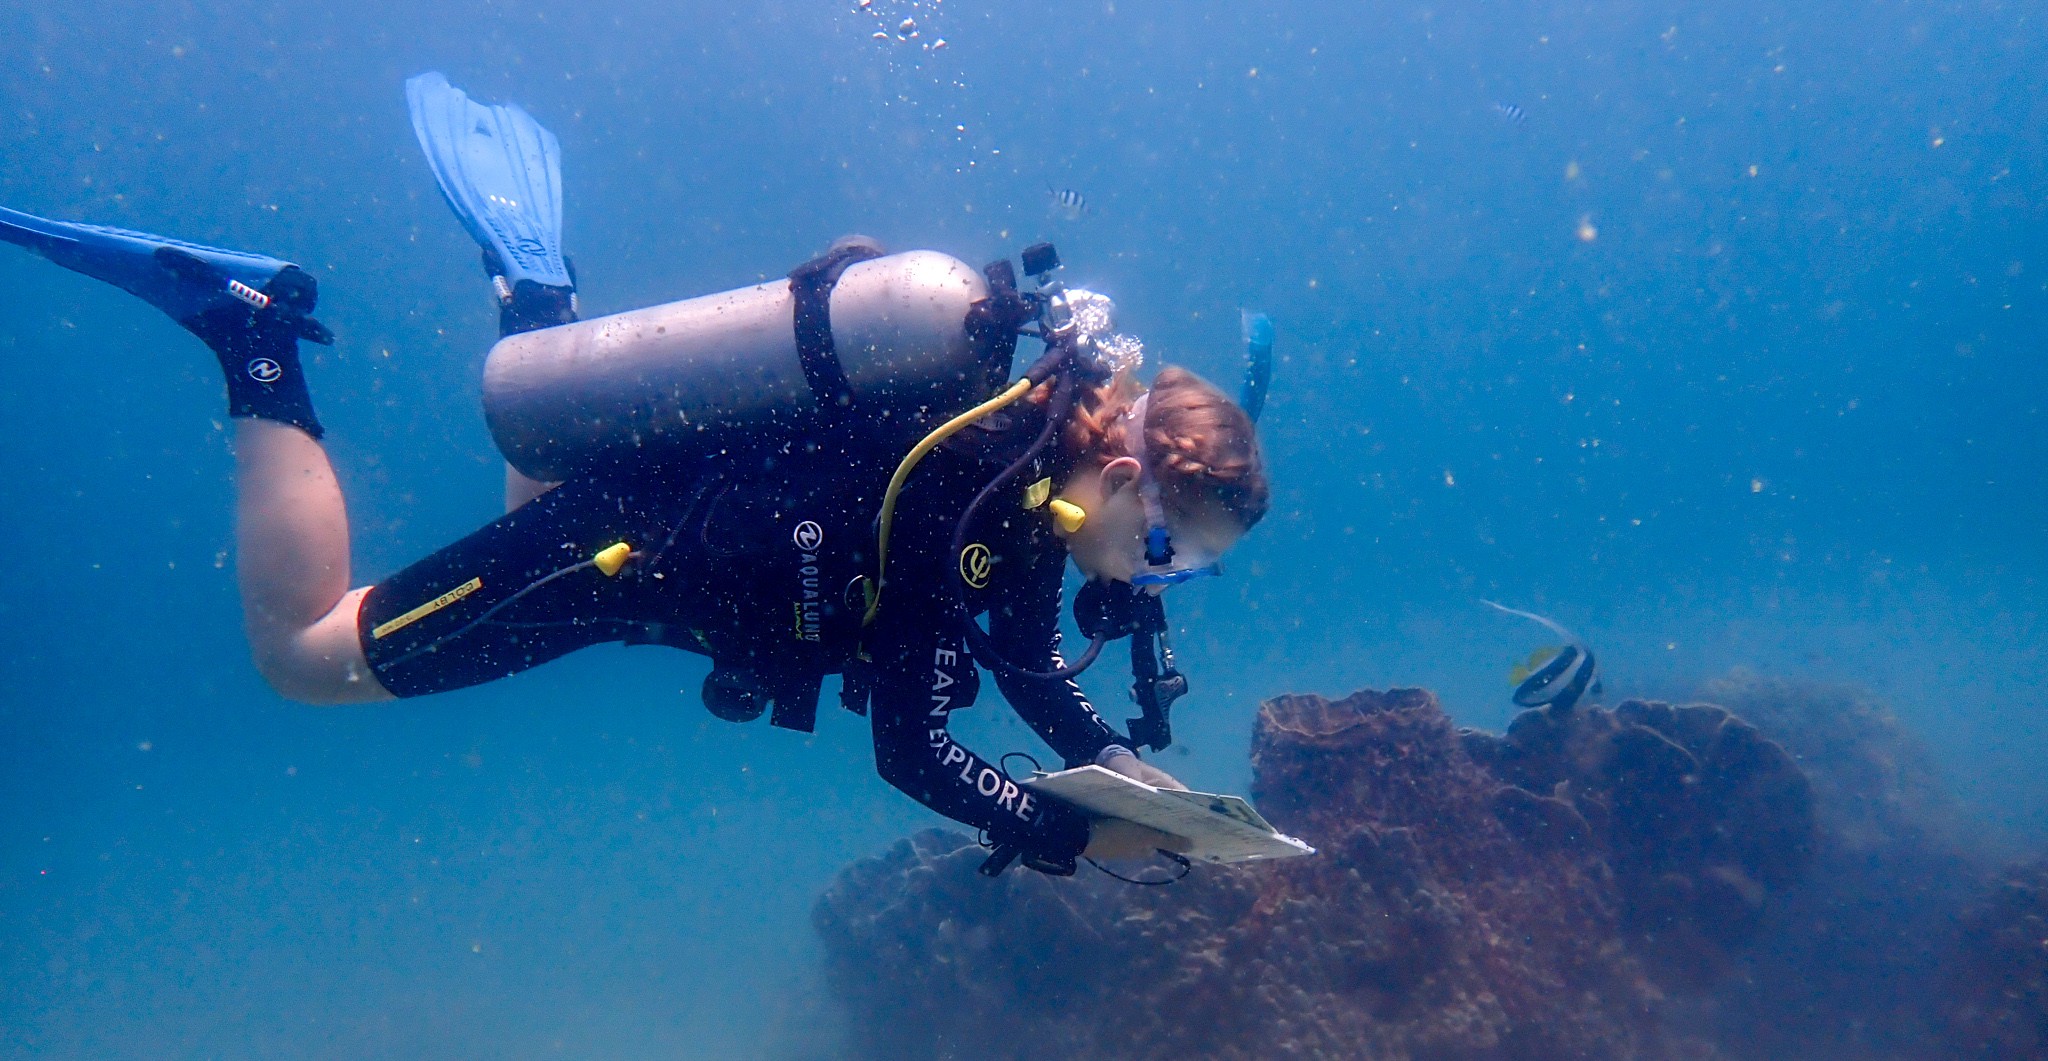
(832, 474)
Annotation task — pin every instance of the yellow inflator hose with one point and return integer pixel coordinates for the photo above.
(917, 453)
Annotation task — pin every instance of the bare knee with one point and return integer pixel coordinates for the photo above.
(319, 681)
(321, 664)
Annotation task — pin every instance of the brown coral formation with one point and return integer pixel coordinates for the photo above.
(1859, 952)
(1997, 988)
(1700, 817)
(1789, 868)
(1424, 929)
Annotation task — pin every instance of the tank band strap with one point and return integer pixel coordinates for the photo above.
(811, 284)
(993, 323)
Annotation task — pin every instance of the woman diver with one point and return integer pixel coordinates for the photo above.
(811, 551)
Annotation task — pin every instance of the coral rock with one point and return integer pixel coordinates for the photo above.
(1426, 928)
(1998, 986)
(1857, 950)
(1697, 814)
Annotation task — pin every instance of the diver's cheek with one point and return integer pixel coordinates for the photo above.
(1099, 564)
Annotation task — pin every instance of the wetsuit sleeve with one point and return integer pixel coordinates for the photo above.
(920, 682)
(1025, 627)
(507, 597)
(922, 674)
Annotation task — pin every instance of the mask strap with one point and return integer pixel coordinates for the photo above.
(1158, 543)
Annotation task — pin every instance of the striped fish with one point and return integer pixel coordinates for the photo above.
(1510, 113)
(1559, 679)
(1066, 202)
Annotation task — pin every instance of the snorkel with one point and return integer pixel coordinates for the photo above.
(1161, 571)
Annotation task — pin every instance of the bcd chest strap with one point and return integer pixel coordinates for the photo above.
(811, 285)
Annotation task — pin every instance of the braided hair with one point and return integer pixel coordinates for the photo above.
(1203, 447)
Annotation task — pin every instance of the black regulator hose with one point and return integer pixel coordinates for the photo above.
(1057, 413)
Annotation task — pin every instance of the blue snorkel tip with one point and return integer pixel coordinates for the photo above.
(1258, 362)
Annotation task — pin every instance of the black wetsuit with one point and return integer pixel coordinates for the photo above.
(759, 562)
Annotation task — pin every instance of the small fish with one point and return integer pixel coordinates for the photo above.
(1534, 663)
(1066, 202)
(1557, 676)
(1511, 113)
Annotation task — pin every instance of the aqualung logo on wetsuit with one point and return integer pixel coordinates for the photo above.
(264, 370)
(807, 608)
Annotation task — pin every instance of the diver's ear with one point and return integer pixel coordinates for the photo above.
(1120, 474)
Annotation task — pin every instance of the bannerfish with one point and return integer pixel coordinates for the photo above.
(1066, 202)
(1557, 676)
(1511, 113)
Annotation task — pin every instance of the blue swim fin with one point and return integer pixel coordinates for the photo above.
(501, 173)
(185, 280)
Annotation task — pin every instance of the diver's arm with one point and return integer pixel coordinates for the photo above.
(1025, 628)
(920, 680)
(291, 534)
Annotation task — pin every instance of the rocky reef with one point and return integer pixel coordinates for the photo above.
(1778, 873)
(1997, 987)
(1857, 952)
(1699, 816)
(1426, 928)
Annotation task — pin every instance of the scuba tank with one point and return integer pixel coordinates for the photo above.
(889, 343)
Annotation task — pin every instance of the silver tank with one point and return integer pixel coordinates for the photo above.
(670, 376)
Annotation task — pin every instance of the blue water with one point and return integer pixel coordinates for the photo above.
(1728, 355)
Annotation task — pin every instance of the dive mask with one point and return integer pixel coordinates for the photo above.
(1162, 564)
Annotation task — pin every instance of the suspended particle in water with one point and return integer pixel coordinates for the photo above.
(865, 4)
(881, 36)
(938, 45)
(1587, 233)
(907, 27)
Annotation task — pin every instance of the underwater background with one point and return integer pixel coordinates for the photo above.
(1712, 330)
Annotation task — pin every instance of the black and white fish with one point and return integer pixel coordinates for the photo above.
(1557, 676)
(1066, 202)
(1511, 113)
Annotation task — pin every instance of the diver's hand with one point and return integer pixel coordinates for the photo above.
(1115, 838)
(1126, 762)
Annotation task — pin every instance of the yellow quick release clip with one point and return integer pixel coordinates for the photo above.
(612, 558)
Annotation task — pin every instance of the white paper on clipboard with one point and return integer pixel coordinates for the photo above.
(1218, 828)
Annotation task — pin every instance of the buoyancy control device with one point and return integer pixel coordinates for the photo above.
(890, 343)
(899, 349)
